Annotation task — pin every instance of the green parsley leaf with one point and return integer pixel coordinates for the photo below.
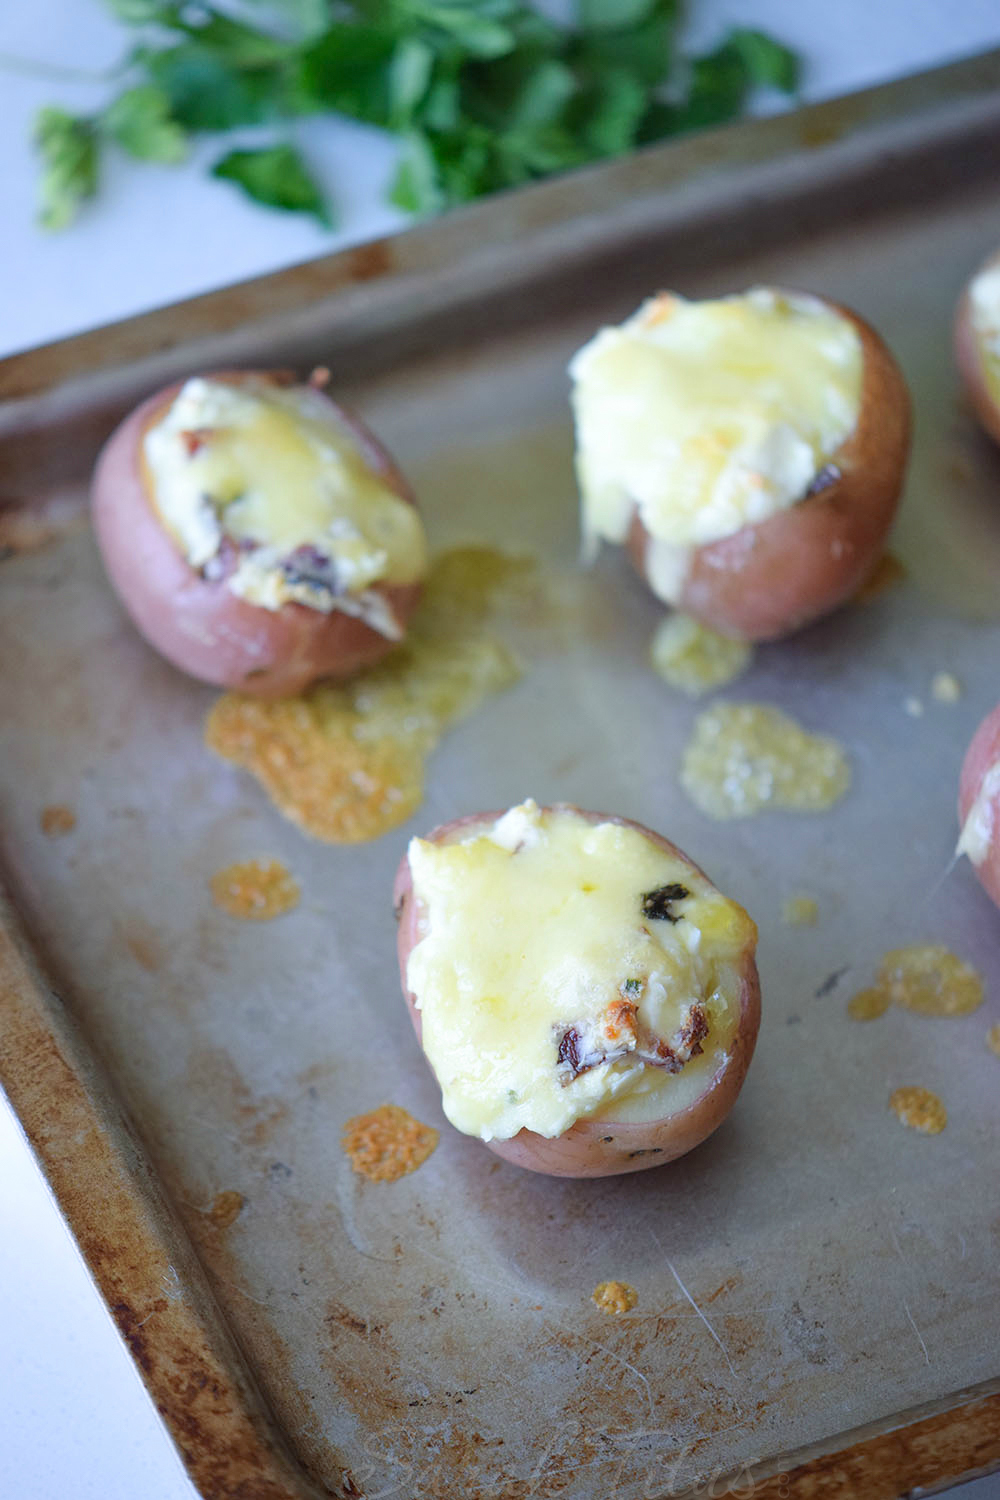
(69, 150)
(616, 108)
(409, 75)
(206, 92)
(768, 64)
(236, 44)
(718, 90)
(613, 15)
(485, 94)
(477, 26)
(348, 69)
(546, 90)
(139, 120)
(143, 12)
(304, 18)
(416, 187)
(278, 177)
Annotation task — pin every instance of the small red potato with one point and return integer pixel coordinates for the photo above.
(601, 1147)
(198, 623)
(974, 360)
(979, 787)
(775, 576)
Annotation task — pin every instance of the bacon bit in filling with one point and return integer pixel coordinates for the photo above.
(194, 439)
(620, 1021)
(581, 1048)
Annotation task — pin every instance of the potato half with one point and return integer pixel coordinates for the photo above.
(603, 1148)
(979, 786)
(773, 577)
(201, 625)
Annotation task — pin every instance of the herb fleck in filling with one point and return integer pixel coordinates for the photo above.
(657, 904)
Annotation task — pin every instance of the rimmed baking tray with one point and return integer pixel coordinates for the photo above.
(818, 1288)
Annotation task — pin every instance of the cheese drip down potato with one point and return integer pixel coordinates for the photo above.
(979, 804)
(748, 450)
(977, 343)
(258, 536)
(586, 998)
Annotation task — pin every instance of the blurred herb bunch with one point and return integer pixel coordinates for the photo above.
(486, 94)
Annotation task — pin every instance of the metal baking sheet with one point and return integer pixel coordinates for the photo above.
(812, 1279)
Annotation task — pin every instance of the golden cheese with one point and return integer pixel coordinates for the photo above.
(745, 757)
(693, 658)
(268, 474)
(569, 970)
(709, 416)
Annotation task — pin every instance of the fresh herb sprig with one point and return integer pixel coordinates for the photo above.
(487, 94)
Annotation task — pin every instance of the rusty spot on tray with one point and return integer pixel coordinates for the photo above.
(143, 942)
(340, 1315)
(886, 574)
(366, 262)
(387, 1143)
(255, 889)
(729, 1285)
(194, 1373)
(935, 1451)
(213, 1076)
(226, 1208)
(26, 527)
(57, 820)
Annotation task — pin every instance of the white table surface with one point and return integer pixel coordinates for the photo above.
(75, 1420)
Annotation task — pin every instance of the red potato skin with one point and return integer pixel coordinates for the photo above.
(200, 625)
(771, 579)
(971, 364)
(602, 1148)
(982, 754)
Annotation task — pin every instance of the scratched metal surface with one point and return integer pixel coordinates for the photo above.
(814, 1267)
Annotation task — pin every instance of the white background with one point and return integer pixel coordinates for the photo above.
(74, 1418)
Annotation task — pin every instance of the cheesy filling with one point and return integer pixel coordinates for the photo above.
(261, 486)
(568, 970)
(980, 826)
(984, 305)
(705, 417)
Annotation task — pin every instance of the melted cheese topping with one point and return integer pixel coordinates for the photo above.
(265, 477)
(709, 416)
(981, 824)
(346, 761)
(745, 757)
(984, 306)
(694, 658)
(544, 980)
